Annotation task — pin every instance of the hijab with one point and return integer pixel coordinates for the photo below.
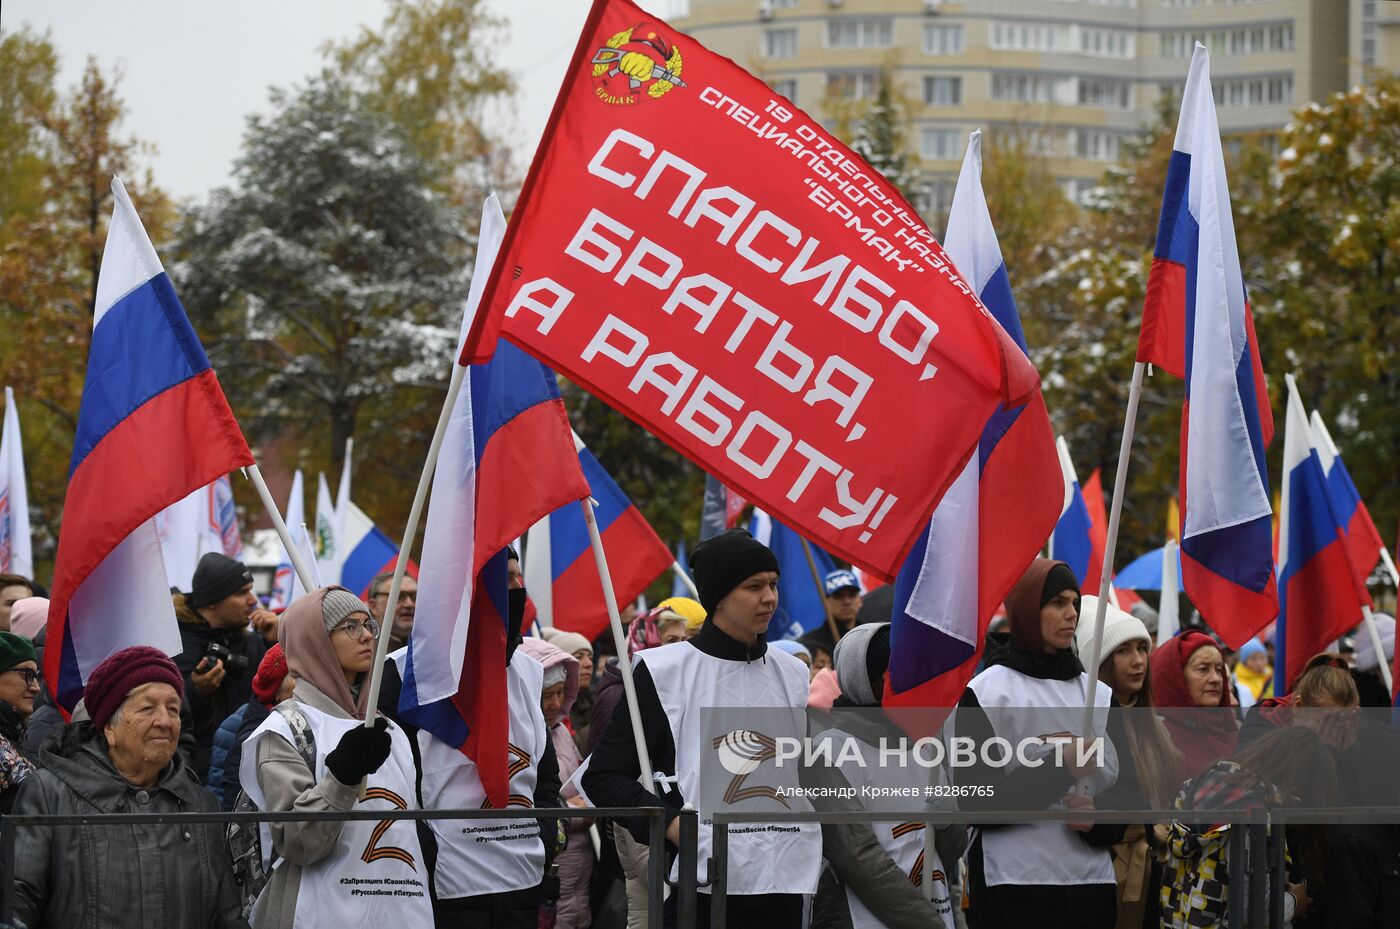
(311, 656)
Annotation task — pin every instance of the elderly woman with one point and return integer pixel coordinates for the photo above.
(122, 760)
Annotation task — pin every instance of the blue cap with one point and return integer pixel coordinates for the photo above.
(840, 580)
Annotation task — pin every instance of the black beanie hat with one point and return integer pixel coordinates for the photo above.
(721, 563)
(216, 577)
(1061, 577)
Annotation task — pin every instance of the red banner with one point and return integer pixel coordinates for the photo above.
(698, 252)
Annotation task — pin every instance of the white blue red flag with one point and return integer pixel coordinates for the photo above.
(560, 572)
(1072, 541)
(205, 521)
(154, 423)
(1321, 593)
(16, 542)
(1364, 543)
(801, 603)
(1196, 323)
(507, 461)
(995, 518)
(368, 552)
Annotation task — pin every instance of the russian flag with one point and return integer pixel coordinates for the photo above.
(507, 461)
(154, 426)
(369, 552)
(1363, 539)
(801, 601)
(1092, 492)
(998, 513)
(560, 572)
(1322, 593)
(1072, 541)
(1196, 323)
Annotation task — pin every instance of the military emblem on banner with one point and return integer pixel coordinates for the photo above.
(636, 64)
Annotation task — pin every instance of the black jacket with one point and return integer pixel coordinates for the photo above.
(1362, 886)
(611, 778)
(237, 687)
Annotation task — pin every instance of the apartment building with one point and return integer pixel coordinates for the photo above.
(1074, 76)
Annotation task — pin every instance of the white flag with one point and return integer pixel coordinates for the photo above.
(327, 536)
(16, 543)
(286, 587)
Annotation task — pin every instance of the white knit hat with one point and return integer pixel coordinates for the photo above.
(1118, 627)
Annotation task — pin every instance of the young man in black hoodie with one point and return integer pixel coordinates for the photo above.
(726, 664)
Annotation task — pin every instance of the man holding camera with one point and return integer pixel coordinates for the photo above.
(220, 651)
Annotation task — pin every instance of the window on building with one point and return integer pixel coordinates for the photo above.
(934, 200)
(1236, 93)
(1281, 38)
(1109, 94)
(943, 40)
(854, 85)
(1106, 43)
(1030, 88)
(859, 33)
(786, 87)
(780, 43)
(941, 144)
(1006, 35)
(943, 91)
(1096, 144)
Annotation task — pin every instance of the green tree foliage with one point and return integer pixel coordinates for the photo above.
(328, 286)
(59, 149)
(1328, 301)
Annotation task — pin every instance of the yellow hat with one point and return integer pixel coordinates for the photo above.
(693, 612)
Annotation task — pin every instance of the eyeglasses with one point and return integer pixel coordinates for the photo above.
(31, 676)
(403, 595)
(356, 629)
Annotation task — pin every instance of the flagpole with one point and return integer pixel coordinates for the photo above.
(685, 579)
(1390, 566)
(629, 688)
(1110, 548)
(821, 591)
(280, 525)
(410, 531)
(1369, 621)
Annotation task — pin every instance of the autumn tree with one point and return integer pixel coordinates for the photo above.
(431, 68)
(60, 151)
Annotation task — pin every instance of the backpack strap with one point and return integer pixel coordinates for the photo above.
(302, 737)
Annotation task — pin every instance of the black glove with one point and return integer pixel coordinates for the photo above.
(360, 753)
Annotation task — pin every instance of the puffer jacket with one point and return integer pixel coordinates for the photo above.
(114, 877)
(225, 738)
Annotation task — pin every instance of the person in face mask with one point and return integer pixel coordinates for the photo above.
(493, 883)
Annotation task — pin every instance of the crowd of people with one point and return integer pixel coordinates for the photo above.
(266, 711)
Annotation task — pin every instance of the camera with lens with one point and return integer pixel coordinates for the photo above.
(233, 664)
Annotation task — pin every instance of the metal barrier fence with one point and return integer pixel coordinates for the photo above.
(1255, 852)
(656, 875)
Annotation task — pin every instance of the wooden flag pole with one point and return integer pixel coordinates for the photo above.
(821, 595)
(1115, 512)
(629, 688)
(410, 531)
(278, 523)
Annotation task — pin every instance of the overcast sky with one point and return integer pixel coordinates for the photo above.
(192, 70)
